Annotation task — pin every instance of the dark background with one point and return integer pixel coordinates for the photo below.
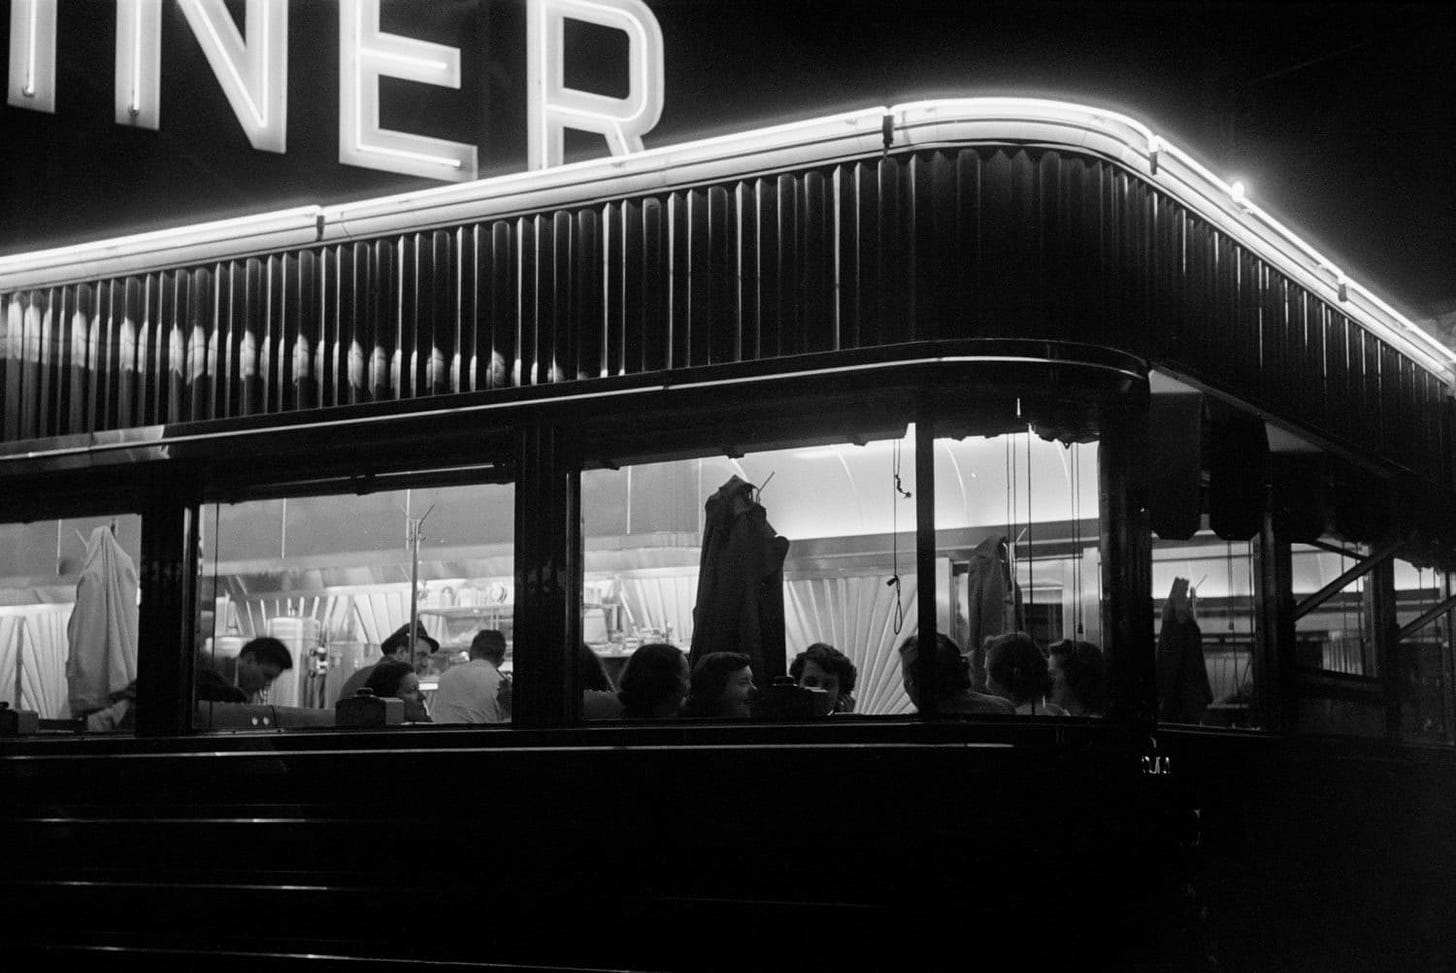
(1339, 118)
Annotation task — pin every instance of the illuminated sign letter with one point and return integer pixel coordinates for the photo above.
(33, 54)
(365, 55)
(552, 107)
(138, 62)
(253, 74)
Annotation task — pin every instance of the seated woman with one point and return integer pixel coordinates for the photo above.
(1079, 677)
(953, 693)
(822, 666)
(1016, 670)
(722, 686)
(653, 685)
(397, 679)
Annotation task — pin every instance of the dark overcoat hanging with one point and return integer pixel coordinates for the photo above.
(740, 606)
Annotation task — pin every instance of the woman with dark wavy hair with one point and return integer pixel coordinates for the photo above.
(398, 680)
(822, 666)
(654, 683)
(722, 686)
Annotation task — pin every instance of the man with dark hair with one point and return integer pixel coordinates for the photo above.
(260, 662)
(475, 692)
(399, 647)
(954, 695)
(822, 666)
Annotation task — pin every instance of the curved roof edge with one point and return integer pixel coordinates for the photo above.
(819, 141)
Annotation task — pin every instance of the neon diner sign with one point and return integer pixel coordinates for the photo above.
(251, 66)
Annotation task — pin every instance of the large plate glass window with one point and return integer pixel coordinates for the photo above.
(1423, 652)
(306, 599)
(69, 602)
(1017, 533)
(788, 569)
(1337, 649)
(1203, 593)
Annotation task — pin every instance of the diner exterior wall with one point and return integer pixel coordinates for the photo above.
(993, 241)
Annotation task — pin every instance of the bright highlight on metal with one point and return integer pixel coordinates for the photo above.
(819, 141)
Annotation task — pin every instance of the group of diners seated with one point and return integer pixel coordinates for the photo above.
(1015, 677)
(1011, 676)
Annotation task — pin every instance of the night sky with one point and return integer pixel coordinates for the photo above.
(1341, 119)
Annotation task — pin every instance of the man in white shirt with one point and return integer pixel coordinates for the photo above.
(475, 692)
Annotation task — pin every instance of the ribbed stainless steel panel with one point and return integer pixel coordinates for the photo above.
(976, 242)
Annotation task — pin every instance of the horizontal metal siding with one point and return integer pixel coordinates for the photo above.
(985, 242)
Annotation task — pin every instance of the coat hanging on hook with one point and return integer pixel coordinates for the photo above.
(740, 603)
(102, 631)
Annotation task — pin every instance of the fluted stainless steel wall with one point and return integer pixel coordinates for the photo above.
(983, 242)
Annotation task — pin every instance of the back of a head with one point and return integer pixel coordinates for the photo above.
(265, 649)
(384, 680)
(831, 660)
(488, 644)
(710, 677)
(952, 676)
(1018, 666)
(1085, 671)
(653, 676)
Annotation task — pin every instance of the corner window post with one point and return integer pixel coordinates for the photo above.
(1387, 643)
(166, 619)
(1127, 564)
(925, 594)
(548, 592)
(1276, 674)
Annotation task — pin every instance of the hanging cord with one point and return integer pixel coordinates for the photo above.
(900, 491)
(1228, 601)
(1011, 511)
(1249, 564)
(1009, 525)
(1076, 451)
(1030, 540)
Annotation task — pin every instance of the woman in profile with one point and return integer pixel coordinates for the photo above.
(653, 685)
(1017, 671)
(721, 688)
(397, 679)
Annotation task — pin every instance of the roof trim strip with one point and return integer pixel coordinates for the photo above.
(820, 141)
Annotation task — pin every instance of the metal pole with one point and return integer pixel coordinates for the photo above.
(414, 614)
(414, 529)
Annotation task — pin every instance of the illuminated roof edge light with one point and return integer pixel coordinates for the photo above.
(816, 141)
